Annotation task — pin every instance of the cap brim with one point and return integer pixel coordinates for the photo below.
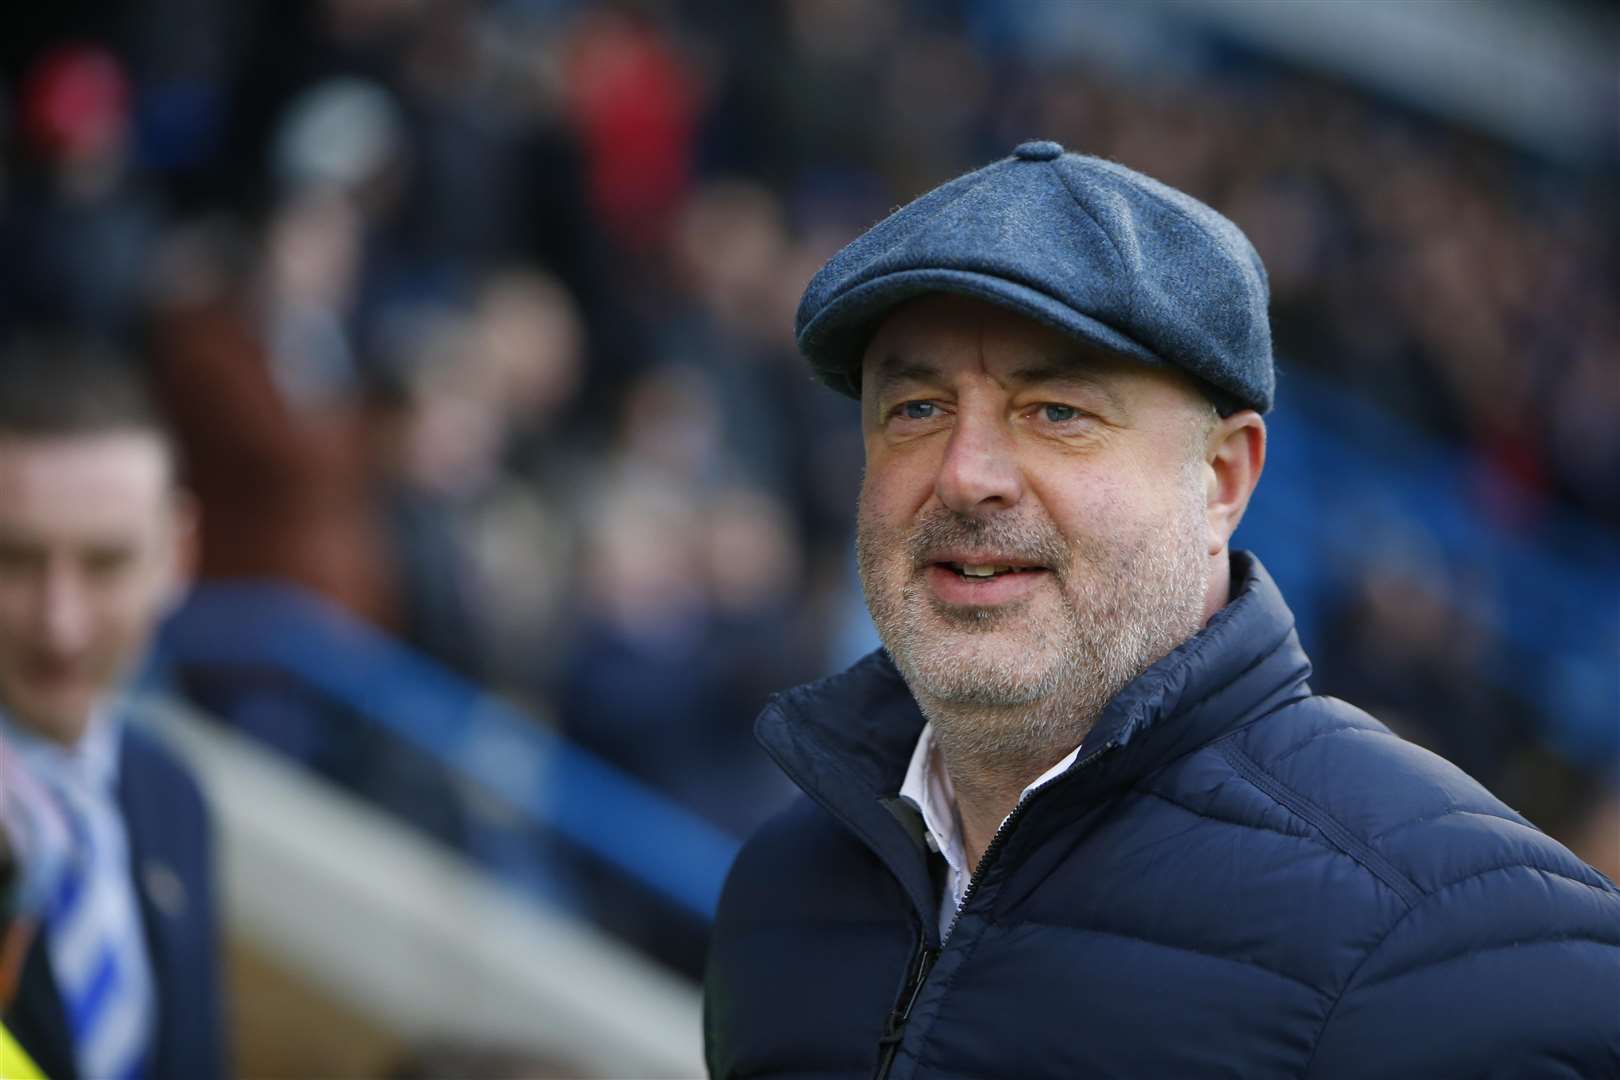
(835, 338)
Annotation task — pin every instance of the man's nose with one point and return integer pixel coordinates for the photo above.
(64, 610)
(980, 470)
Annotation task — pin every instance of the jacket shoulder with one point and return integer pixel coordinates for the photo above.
(166, 811)
(153, 774)
(1515, 935)
(1410, 817)
(1510, 930)
(147, 751)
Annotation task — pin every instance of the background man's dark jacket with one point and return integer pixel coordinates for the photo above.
(170, 853)
(1236, 878)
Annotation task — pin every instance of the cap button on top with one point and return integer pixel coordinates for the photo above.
(1038, 150)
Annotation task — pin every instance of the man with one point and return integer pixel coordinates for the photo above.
(1082, 815)
(95, 539)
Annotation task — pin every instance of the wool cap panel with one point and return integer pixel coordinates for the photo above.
(1098, 251)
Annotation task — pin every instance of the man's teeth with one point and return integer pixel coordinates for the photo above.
(984, 570)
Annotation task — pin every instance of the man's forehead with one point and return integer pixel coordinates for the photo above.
(132, 451)
(918, 339)
(98, 475)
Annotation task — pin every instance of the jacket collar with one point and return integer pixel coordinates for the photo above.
(1245, 662)
(846, 740)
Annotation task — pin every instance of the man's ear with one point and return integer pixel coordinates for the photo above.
(1235, 453)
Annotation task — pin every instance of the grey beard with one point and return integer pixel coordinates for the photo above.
(1135, 602)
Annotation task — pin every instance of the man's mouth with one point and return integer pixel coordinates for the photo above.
(982, 579)
(45, 673)
(983, 566)
(988, 570)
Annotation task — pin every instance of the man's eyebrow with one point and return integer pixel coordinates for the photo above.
(892, 371)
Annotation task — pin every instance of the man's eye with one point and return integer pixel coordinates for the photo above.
(1059, 414)
(918, 410)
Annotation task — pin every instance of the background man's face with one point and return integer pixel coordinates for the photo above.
(994, 442)
(90, 545)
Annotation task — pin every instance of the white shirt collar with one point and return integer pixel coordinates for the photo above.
(927, 787)
(93, 759)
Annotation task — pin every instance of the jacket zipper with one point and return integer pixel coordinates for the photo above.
(895, 1030)
(1012, 819)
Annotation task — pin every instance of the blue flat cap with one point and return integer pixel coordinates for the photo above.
(1087, 246)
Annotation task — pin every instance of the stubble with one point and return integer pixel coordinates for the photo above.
(1016, 687)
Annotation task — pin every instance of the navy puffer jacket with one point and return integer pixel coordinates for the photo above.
(1236, 878)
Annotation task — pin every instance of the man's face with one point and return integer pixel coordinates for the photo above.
(1032, 524)
(91, 545)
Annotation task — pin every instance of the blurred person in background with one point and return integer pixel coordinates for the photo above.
(530, 339)
(96, 543)
(78, 219)
(1083, 814)
(473, 458)
(253, 356)
(252, 359)
(1403, 646)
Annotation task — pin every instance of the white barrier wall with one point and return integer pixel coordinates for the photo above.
(416, 939)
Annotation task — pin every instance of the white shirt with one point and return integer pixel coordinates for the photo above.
(928, 787)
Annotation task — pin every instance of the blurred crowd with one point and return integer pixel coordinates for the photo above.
(476, 319)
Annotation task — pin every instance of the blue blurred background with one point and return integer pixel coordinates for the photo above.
(475, 320)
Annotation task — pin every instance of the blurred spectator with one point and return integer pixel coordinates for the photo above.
(635, 687)
(256, 366)
(635, 104)
(636, 677)
(275, 416)
(1404, 647)
(474, 468)
(689, 619)
(78, 220)
(760, 632)
(440, 451)
(688, 610)
(95, 545)
(523, 531)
